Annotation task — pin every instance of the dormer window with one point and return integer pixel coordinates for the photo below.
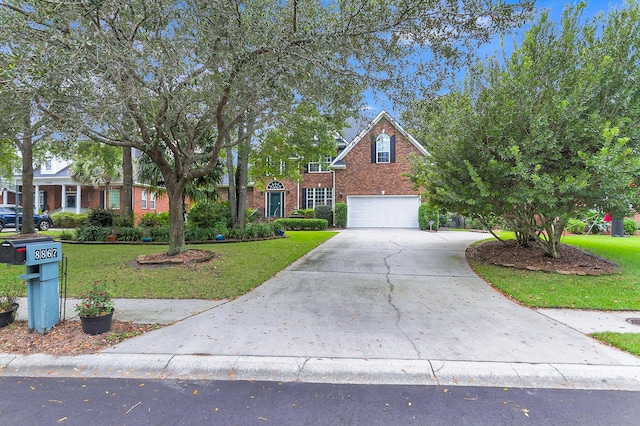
(47, 165)
(319, 166)
(383, 148)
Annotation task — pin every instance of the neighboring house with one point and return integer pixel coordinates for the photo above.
(55, 190)
(366, 174)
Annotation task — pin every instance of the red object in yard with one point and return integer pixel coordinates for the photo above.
(607, 217)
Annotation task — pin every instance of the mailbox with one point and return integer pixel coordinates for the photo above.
(14, 252)
(41, 257)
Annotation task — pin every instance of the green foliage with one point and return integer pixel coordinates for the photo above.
(439, 217)
(100, 217)
(129, 233)
(96, 301)
(67, 236)
(159, 233)
(630, 227)
(155, 219)
(341, 215)
(302, 224)
(629, 342)
(207, 214)
(93, 233)
(196, 233)
(69, 219)
(575, 226)
(594, 222)
(323, 212)
(538, 136)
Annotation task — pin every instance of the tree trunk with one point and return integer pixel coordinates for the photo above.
(242, 172)
(177, 244)
(26, 148)
(127, 185)
(232, 193)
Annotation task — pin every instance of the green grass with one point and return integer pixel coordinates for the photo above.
(629, 342)
(610, 292)
(239, 268)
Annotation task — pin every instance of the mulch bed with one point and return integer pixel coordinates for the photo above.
(572, 260)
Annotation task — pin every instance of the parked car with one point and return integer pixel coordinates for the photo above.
(8, 218)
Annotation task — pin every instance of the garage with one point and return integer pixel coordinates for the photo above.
(390, 211)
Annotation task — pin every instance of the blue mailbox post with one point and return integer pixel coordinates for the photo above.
(41, 257)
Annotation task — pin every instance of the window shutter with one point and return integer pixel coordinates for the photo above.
(392, 148)
(303, 205)
(373, 149)
(308, 170)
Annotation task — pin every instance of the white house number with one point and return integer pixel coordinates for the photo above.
(50, 253)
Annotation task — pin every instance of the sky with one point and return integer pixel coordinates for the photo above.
(374, 106)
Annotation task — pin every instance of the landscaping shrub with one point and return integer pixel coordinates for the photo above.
(302, 224)
(575, 226)
(93, 233)
(159, 233)
(68, 219)
(307, 213)
(425, 214)
(100, 217)
(474, 223)
(594, 223)
(630, 226)
(129, 234)
(341, 215)
(207, 214)
(324, 212)
(155, 219)
(196, 233)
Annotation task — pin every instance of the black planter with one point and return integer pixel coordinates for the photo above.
(97, 325)
(9, 316)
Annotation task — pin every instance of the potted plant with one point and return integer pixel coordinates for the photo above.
(9, 294)
(95, 309)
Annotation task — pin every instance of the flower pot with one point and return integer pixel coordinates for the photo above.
(9, 316)
(111, 238)
(97, 325)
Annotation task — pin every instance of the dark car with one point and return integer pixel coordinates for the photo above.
(8, 218)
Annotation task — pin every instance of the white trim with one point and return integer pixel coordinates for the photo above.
(363, 133)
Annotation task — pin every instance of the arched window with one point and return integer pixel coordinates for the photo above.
(275, 186)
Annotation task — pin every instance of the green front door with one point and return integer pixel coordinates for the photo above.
(275, 204)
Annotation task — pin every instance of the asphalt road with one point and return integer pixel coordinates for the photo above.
(48, 401)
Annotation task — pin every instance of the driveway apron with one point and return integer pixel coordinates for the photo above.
(379, 294)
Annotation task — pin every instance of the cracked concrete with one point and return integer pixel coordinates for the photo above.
(360, 309)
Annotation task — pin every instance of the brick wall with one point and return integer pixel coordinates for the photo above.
(361, 177)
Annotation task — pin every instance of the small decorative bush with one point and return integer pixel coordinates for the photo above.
(159, 233)
(69, 219)
(324, 212)
(341, 215)
(93, 233)
(96, 302)
(594, 222)
(302, 224)
(100, 217)
(129, 234)
(630, 226)
(575, 226)
(155, 219)
(206, 214)
(425, 214)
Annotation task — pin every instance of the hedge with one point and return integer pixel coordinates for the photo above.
(341, 215)
(302, 224)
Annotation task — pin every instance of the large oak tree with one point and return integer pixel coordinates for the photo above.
(185, 74)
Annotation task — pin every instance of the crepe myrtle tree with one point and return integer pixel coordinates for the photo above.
(546, 135)
(187, 73)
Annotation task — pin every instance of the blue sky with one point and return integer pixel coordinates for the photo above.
(554, 6)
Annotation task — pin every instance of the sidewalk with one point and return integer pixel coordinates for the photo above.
(368, 306)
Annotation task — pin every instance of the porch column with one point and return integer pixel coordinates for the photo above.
(36, 198)
(78, 198)
(5, 196)
(63, 201)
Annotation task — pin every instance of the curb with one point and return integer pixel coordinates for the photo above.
(325, 370)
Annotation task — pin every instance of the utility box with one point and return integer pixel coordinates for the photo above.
(41, 257)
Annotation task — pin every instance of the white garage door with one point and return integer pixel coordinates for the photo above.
(390, 211)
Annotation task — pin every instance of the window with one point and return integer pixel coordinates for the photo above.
(320, 166)
(114, 199)
(152, 196)
(383, 148)
(318, 197)
(47, 165)
(144, 199)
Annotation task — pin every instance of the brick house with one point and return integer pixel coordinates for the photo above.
(366, 174)
(56, 190)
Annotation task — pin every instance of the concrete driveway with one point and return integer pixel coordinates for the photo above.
(380, 294)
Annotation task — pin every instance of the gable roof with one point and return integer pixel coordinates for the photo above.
(337, 163)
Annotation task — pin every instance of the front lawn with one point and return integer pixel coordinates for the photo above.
(239, 268)
(547, 290)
